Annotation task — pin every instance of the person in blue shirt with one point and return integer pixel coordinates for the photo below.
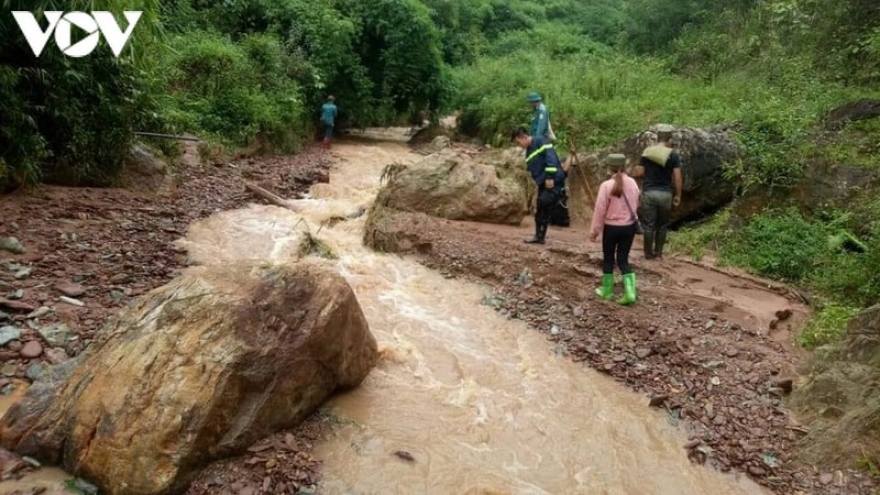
(545, 168)
(328, 118)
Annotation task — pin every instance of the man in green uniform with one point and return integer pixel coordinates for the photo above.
(328, 118)
(540, 118)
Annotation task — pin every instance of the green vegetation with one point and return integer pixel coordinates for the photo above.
(827, 326)
(816, 252)
(70, 119)
(250, 74)
(774, 69)
(246, 74)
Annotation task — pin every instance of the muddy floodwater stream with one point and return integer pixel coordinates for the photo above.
(481, 403)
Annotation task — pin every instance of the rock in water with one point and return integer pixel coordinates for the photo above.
(197, 370)
(454, 186)
(440, 143)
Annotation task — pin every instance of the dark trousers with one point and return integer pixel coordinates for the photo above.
(656, 211)
(328, 131)
(617, 242)
(546, 203)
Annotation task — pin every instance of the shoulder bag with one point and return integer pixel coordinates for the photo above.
(633, 213)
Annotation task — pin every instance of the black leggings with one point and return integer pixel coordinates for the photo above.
(617, 240)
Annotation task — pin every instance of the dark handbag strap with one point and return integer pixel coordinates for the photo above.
(631, 212)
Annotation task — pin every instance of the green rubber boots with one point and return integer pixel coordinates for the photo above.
(629, 289)
(606, 291)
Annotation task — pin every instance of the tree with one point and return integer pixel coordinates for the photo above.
(66, 119)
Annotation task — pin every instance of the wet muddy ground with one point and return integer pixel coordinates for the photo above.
(711, 348)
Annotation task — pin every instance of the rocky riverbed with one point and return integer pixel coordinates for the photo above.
(74, 257)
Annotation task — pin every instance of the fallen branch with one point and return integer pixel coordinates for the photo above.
(267, 195)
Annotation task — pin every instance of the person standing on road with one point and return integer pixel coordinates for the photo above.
(615, 220)
(543, 165)
(328, 118)
(541, 128)
(661, 169)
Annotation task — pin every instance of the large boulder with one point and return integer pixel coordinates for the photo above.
(390, 231)
(143, 161)
(195, 371)
(144, 170)
(704, 153)
(452, 184)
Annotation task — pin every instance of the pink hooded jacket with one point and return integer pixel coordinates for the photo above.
(614, 211)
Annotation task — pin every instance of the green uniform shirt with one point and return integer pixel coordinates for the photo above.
(540, 122)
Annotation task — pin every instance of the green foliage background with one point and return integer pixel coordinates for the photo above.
(251, 73)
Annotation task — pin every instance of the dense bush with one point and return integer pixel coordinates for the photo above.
(234, 91)
(598, 97)
(65, 119)
(400, 48)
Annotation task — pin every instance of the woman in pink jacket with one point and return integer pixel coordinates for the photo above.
(615, 219)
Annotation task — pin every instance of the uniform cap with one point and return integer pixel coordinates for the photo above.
(615, 160)
(664, 131)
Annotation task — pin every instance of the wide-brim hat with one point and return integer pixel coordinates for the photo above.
(533, 97)
(615, 160)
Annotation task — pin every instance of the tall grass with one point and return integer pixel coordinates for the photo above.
(600, 98)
